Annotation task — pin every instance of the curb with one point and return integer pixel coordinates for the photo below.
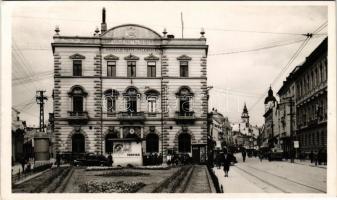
(210, 181)
(309, 165)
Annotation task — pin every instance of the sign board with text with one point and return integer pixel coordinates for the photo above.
(296, 145)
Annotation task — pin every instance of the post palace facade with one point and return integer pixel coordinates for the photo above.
(131, 92)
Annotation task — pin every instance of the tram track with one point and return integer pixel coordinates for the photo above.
(266, 177)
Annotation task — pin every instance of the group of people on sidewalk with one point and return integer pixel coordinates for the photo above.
(318, 158)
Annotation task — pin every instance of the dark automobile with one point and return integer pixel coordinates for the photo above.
(92, 160)
(275, 154)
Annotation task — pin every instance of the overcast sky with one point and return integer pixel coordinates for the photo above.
(236, 77)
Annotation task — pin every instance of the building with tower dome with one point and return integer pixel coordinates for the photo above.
(270, 134)
(132, 92)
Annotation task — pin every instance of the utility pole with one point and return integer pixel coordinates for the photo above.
(40, 98)
(182, 25)
(292, 148)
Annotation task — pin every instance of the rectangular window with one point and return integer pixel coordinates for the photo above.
(131, 69)
(183, 68)
(152, 105)
(111, 69)
(151, 69)
(77, 67)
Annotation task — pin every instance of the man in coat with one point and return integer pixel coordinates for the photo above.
(244, 154)
(226, 160)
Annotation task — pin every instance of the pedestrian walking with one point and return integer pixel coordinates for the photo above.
(324, 154)
(226, 163)
(218, 160)
(244, 154)
(311, 156)
(110, 161)
(58, 159)
(260, 156)
(23, 163)
(319, 157)
(316, 158)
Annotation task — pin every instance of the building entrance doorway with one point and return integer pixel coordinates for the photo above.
(199, 154)
(78, 143)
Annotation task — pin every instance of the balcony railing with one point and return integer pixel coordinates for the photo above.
(131, 116)
(185, 115)
(78, 117)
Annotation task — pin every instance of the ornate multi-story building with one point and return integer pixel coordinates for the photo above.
(220, 130)
(311, 100)
(301, 114)
(130, 91)
(287, 113)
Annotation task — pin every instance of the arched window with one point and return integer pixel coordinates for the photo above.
(185, 96)
(184, 143)
(78, 143)
(109, 141)
(151, 97)
(77, 94)
(152, 143)
(110, 97)
(131, 96)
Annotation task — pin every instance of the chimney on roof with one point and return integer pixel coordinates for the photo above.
(103, 24)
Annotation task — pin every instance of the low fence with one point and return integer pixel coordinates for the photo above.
(30, 171)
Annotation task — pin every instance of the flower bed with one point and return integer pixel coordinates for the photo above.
(110, 187)
(99, 168)
(159, 167)
(123, 173)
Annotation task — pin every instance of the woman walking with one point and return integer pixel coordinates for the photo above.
(226, 163)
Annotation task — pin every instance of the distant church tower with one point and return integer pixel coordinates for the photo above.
(245, 115)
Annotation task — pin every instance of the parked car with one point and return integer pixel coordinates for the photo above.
(92, 160)
(275, 154)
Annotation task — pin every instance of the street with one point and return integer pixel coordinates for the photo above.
(254, 176)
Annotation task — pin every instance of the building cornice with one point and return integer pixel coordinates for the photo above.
(117, 78)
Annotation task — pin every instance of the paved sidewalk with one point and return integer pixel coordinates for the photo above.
(235, 182)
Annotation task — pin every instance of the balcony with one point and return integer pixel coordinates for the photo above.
(185, 116)
(78, 117)
(131, 116)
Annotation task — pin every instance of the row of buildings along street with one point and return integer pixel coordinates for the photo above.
(131, 98)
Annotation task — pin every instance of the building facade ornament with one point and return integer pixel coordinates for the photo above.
(131, 57)
(77, 56)
(111, 57)
(184, 57)
(151, 57)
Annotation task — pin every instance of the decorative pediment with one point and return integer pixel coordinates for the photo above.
(111, 57)
(184, 57)
(151, 57)
(151, 92)
(77, 56)
(131, 57)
